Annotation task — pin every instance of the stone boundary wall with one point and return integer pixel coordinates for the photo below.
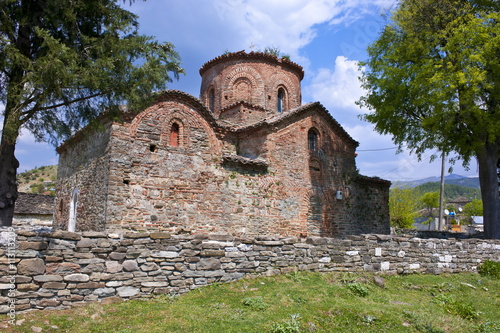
(60, 269)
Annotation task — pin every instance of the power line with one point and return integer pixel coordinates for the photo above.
(407, 167)
(381, 149)
(391, 148)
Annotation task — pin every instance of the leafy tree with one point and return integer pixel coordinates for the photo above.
(473, 208)
(433, 81)
(430, 202)
(62, 63)
(403, 207)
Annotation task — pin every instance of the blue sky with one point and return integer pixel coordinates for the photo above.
(326, 37)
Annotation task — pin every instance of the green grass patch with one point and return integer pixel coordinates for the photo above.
(296, 302)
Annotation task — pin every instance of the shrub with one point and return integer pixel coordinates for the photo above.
(255, 303)
(490, 268)
(358, 289)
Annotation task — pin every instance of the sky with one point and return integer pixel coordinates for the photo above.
(326, 37)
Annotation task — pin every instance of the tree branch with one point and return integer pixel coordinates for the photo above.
(65, 103)
(26, 115)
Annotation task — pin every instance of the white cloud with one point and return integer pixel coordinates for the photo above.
(240, 24)
(289, 25)
(338, 87)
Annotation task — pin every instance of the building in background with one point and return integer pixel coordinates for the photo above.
(33, 211)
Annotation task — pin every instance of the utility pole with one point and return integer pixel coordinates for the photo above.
(441, 195)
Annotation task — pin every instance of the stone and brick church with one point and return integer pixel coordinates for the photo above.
(246, 158)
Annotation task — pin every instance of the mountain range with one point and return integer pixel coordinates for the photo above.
(452, 179)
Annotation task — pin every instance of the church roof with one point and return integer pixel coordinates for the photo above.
(275, 120)
(255, 56)
(35, 204)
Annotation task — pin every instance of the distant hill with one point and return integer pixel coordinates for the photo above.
(452, 179)
(451, 191)
(40, 180)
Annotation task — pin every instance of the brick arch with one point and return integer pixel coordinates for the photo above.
(162, 115)
(211, 98)
(241, 74)
(242, 90)
(283, 81)
(183, 133)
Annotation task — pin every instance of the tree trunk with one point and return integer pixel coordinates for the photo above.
(8, 183)
(8, 161)
(487, 160)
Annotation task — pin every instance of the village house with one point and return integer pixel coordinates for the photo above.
(246, 158)
(33, 211)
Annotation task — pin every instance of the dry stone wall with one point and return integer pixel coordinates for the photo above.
(61, 269)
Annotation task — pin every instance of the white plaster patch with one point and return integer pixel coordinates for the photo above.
(378, 252)
(352, 253)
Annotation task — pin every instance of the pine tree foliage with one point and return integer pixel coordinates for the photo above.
(63, 63)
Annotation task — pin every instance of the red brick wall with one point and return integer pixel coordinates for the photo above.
(253, 78)
(242, 168)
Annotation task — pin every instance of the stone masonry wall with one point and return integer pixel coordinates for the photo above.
(86, 171)
(58, 270)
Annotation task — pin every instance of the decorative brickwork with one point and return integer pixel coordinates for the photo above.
(245, 159)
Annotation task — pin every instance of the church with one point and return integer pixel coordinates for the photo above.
(246, 158)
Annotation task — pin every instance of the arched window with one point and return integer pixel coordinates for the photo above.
(211, 100)
(312, 139)
(72, 211)
(174, 135)
(281, 99)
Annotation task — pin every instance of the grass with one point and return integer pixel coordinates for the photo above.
(296, 302)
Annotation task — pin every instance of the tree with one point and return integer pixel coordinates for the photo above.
(473, 208)
(403, 207)
(433, 81)
(430, 202)
(62, 63)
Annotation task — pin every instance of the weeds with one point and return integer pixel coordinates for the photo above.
(358, 289)
(289, 326)
(421, 323)
(297, 276)
(255, 303)
(489, 327)
(490, 268)
(464, 310)
(347, 277)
